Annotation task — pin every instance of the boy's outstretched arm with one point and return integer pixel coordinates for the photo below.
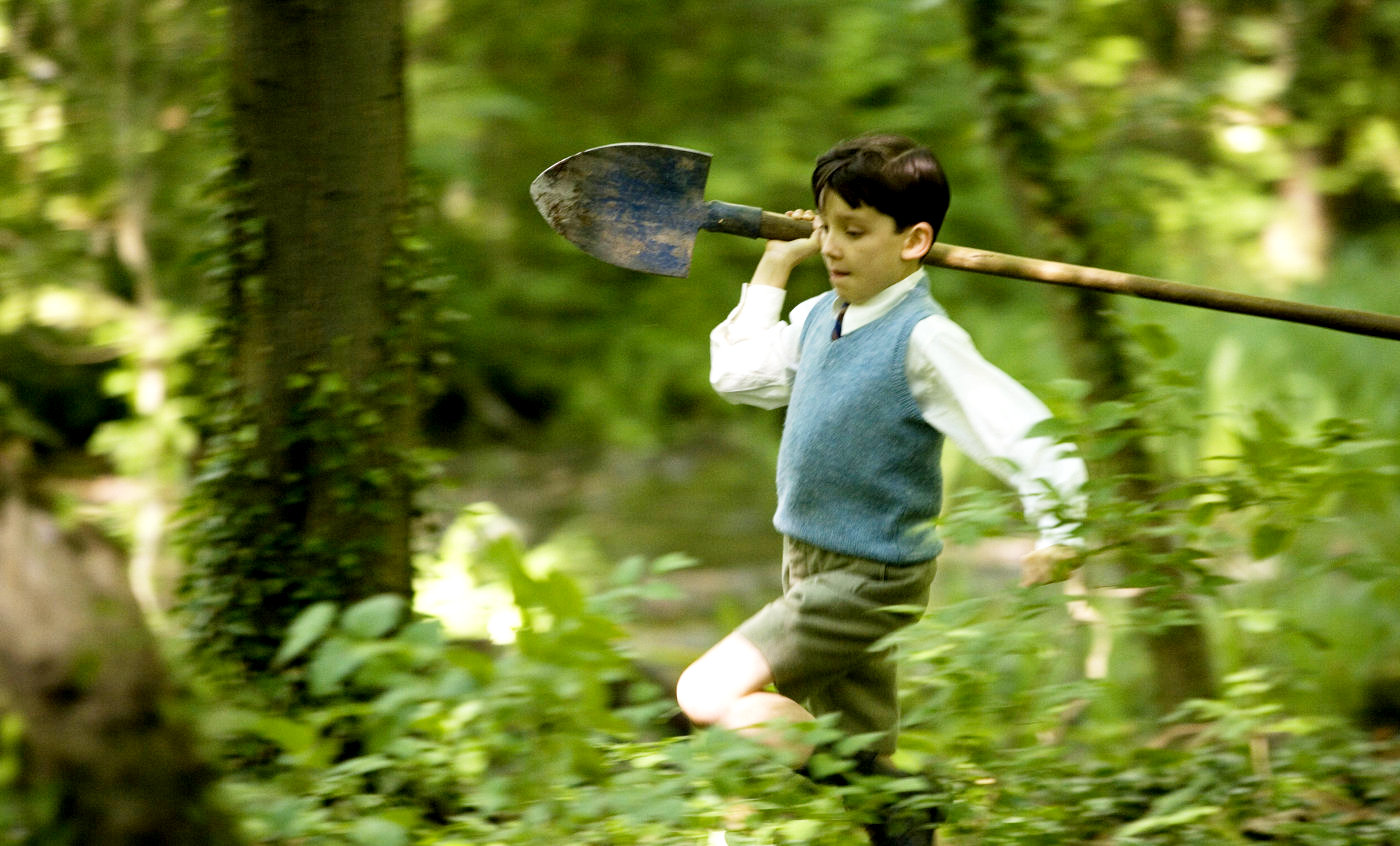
(987, 415)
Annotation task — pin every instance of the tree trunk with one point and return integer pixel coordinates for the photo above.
(1095, 349)
(310, 471)
(79, 666)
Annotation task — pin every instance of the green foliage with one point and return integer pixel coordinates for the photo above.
(1263, 525)
(560, 343)
(20, 805)
(102, 115)
(1257, 480)
(16, 420)
(404, 736)
(1197, 141)
(1217, 792)
(380, 730)
(1227, 771)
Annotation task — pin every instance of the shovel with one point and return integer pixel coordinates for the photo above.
(639, 206)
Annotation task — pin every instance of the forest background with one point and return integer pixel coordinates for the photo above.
(1227, 667)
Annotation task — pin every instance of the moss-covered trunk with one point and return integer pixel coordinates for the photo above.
(308, 487)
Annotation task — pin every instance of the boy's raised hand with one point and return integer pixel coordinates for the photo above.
(793, 252)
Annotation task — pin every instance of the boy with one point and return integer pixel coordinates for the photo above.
(874, 376)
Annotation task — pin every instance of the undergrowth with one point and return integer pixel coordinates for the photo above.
(378, 730)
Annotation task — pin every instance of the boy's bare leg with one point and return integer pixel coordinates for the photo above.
(725, 687)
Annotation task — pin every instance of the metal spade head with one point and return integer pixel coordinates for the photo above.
(634, 205)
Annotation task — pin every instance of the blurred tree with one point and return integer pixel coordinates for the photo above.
(107, 758)
(101, 164)
(307, 489)
(1095, 346)
(1234, 143)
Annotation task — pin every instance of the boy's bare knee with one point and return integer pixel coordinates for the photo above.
(752, 710)
(730, 670)
(698, 700)
(765, 709)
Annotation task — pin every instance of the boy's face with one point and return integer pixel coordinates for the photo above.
(863, 252)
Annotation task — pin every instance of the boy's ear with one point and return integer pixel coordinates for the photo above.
(918, 240)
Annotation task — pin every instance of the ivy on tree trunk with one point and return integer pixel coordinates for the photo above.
(306, 492)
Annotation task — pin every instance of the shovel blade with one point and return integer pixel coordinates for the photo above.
(634, 205)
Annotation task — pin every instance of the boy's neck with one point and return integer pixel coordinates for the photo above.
(909, 270)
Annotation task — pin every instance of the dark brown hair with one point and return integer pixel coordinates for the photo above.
(890, 173)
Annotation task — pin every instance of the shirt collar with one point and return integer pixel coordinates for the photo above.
(860, 314)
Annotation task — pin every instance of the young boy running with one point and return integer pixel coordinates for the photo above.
(874, 376)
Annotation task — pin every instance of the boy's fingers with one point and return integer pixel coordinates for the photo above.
(1052, 564)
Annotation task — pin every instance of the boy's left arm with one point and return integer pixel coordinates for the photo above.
(987, 414)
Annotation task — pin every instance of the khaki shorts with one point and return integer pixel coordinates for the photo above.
(817, 637)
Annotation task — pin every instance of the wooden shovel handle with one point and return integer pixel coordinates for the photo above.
(753, 223)
(780, 227)
(1111, 281)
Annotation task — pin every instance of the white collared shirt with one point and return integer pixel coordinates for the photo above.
(984, 412)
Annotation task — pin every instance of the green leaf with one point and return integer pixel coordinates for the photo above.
(1203, 511)
(1268, 540)
(427, 633)
(306, 629)
(1110, 415)
(378, 831)
(291, 736)
(801, 830)
(1053, 428)
(908, 784)
(1155, 339)
(663, 591)
(1164, 821)
(672, 562)
(1070, 389)
(822, 765)
(853, 745)
(333, 662)
(630, 570)
(374, 617)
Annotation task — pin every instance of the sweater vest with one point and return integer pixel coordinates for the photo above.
(858, 466)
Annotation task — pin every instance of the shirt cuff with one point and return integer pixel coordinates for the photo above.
(760, 306)
(1059, 534)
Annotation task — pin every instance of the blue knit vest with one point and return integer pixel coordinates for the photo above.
(858, 466)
